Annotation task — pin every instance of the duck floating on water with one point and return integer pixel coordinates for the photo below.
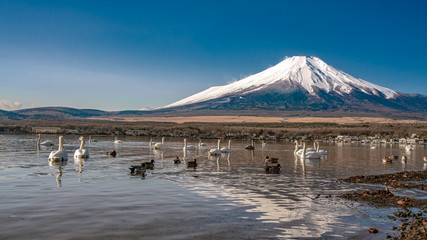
(177, 160)
(387, 160)
(273, 169)
(135, 169)
(250, 147)
(112, 153)
(192, 164)
(149, 165)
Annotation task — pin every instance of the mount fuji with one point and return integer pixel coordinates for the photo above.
(302, 83)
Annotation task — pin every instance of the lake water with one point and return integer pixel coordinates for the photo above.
(229, 197)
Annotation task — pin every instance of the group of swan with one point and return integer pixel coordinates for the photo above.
(61, 155)
(309, 152)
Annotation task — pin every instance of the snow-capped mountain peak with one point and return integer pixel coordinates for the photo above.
(293, 73)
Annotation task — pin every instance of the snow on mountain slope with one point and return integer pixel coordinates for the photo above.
(292, 73)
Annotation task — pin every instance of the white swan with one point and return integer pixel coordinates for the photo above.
(188, 147)
(322, 152)
(92, 140)
(215, 151)
(117, 141)
(160, 145)
(409, 148)
(202, 144)
(227, 149)
(425, 159)
(313, 149)
(81, 152)
(151, 142)
(59, 155)
(45, 143)
(264, 144)
(299, 149)
(306, 154)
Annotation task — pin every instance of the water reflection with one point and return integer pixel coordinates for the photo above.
(58, 165)
(284, 203)
(79, 163)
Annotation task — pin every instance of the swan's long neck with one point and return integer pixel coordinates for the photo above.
(163, 140)
(151, 141)
(303, 150)
(82, 144)
(185, 143)
(200, 142)
(317, 146)
(38, 141)
(229, 144)
(296, 146)
(219, 142)
(61, 141)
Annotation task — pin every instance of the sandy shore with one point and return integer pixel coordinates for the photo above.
(255, 119)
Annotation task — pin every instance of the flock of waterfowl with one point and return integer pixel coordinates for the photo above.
(272, 166)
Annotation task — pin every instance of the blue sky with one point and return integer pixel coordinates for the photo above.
(117, 55)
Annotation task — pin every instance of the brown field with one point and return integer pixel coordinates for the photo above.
(255, 119)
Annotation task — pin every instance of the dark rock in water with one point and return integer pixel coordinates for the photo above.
(394, 179)
(384, 198)
(414, 225)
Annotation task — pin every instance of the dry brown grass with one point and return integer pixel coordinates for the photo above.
(255, 119)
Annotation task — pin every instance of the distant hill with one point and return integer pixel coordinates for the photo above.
(10, 115)
(58, 112)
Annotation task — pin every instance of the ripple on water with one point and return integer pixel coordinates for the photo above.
(230, 196)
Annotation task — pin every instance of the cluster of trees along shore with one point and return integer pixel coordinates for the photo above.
(225, 130)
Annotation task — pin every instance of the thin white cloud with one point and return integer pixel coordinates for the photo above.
(9, 105)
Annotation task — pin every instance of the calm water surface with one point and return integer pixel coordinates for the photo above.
(224, 198)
